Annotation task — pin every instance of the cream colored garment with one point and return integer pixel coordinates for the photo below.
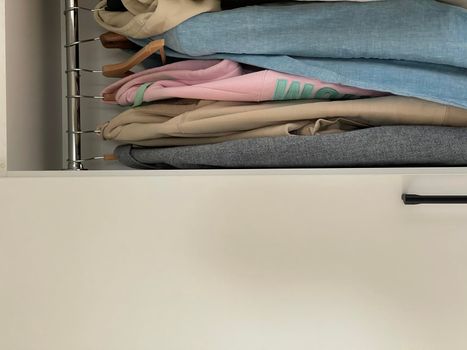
(146, 18)
(189, 122)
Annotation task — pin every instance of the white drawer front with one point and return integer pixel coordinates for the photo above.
(231, 262)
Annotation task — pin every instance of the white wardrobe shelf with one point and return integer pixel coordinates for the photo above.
(452, 171)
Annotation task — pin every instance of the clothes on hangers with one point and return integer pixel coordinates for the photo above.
(218, 134)
(433, 82)
(146, 18)
(223, 81)
(186, 122)
(373, 147)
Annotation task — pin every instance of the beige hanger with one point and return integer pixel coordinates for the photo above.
(123, 69)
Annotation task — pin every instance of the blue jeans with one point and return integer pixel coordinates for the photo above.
(407, 47)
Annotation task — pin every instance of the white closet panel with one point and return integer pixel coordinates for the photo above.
(33, 81)
(3, 109)
(230, 262)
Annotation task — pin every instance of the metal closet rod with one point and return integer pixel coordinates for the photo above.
(75, 160)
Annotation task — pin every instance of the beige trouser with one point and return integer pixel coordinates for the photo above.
(186, 122)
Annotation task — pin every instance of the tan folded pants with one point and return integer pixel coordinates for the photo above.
(186, 122)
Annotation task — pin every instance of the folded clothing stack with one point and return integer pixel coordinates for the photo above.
(398, 46)
(338, 68)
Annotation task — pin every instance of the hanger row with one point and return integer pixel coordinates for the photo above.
(116, 41)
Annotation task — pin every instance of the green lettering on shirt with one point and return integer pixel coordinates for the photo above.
(294, 92)
(307, 92)
(281, 86)
(327, 94)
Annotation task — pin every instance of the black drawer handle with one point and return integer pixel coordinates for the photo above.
(413, 199)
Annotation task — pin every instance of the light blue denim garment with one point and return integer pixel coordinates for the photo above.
(422, 30)
(437, 83)
(412, 30)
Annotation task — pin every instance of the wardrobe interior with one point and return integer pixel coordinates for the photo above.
(36, 96)
(36, 86)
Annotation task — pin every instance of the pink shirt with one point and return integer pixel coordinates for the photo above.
(224, 81)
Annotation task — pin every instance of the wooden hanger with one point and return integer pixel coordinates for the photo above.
(123, 69)
(110, 157)
(112, 40)
(109, 97)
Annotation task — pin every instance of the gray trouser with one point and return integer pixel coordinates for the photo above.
(372, 147)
